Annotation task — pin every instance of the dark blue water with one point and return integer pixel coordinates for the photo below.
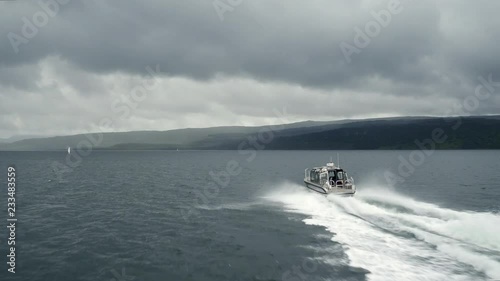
(219, 215)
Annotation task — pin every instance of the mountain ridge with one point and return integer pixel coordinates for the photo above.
(474, 132)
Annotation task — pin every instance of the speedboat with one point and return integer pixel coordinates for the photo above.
(329, 179)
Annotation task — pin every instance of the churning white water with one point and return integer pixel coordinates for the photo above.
(399, 238)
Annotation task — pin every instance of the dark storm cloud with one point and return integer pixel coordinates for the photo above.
(295, 41)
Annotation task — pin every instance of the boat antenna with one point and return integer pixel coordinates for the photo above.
(338, 161)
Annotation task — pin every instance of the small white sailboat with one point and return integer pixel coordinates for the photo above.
(69, 150)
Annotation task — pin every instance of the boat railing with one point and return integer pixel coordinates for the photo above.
(348, 186)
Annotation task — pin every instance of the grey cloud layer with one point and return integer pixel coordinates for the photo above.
(429, 50)
(292, 41)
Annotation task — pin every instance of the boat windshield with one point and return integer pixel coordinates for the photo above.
(323, 178)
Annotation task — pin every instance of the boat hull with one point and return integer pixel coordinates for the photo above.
(336, 191)
(315, 187)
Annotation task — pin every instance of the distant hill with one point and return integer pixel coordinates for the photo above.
(470, 133)
(479, 132)
(19, 137)
(165, 139)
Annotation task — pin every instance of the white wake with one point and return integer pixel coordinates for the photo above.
(398, 238)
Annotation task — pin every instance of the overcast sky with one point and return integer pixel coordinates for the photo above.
(66, 66)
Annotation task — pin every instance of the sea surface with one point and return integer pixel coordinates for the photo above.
(228, 215)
